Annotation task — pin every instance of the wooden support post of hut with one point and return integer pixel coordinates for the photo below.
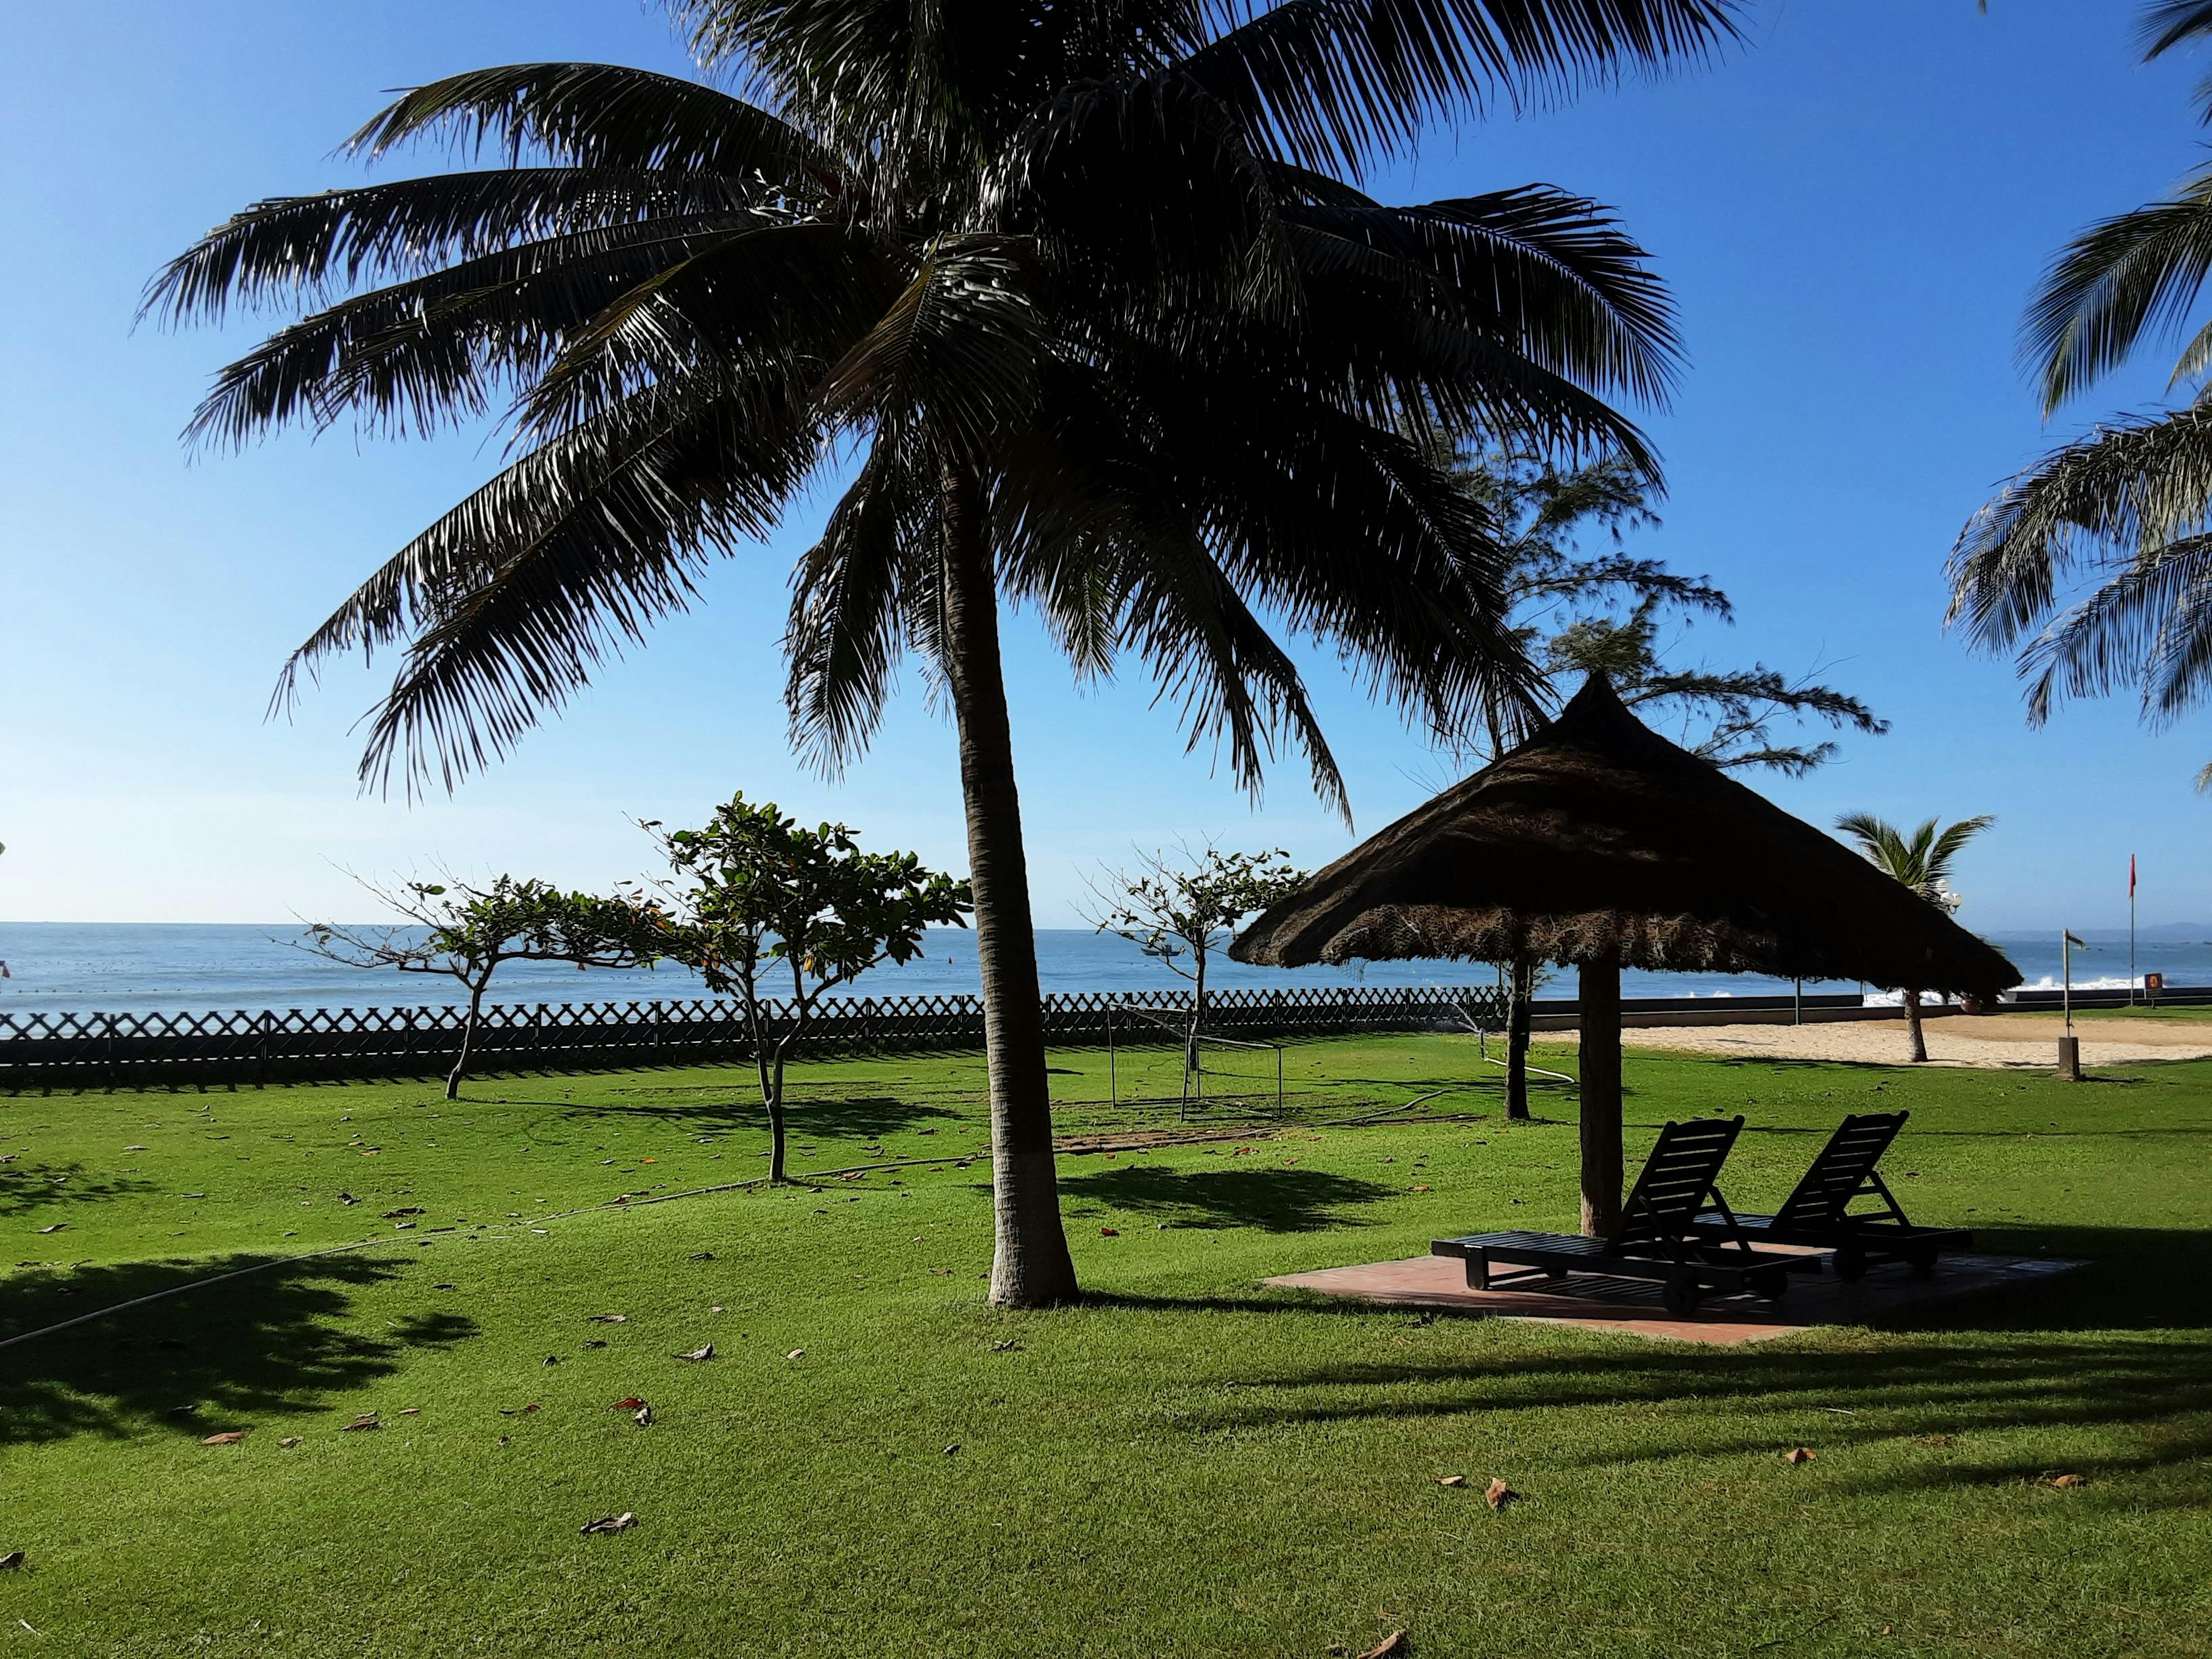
(1599, 845)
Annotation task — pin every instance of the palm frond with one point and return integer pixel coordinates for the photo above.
(455, 345)
(2137, 484)
(1333, 85)
(2117, 281)
(960, 343)
(2149, 625)
(853, 595)
(597, 115)
(513, 600)
(304, 249)
(1550, 274)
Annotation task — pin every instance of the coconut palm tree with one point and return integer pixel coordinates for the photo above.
(1922, 861)
(1070, 303)
(2094, 565)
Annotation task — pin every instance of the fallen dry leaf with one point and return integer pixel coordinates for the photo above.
(628, 1403)
(622, 1522)
(444, 1287)
(1390, 1647)
(951, 1449)
(366, 1421)
(644, 1417)
(593, 1342)
(698, 1354)
(228, 1437)
(2070, 1481)
(11, 1562)
(1497, 1494)
(410, 1411)
(348, 1198)
(289, 1440)
(56, 1228)
(1110, 1232)
(610, 1318)
(701, 1256)
(796, 1353)
(412, 1209)
(1798, 1454)
(717, 1308)
(1451, 1480)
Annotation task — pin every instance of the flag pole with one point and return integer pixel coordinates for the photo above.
(2131, 930)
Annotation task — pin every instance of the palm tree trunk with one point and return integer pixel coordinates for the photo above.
(1912, 1024)
(1520, 995)
(1031, 1267)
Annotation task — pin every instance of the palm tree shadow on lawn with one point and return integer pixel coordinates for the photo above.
(1274, 1201)
(864, 1117)
(228, 1356)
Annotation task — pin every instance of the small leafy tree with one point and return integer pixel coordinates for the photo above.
(469, 933)
(1922, 861)
(1179, 913)
(755, 898)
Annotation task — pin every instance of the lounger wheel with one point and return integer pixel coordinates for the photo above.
(1768, 1284)
(1679, 1294)
(1850, 1265)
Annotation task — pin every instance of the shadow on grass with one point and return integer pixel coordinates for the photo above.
(845, 1116)
(2124, 1344)
(220, 1357)
(1274, 1201)
(29, 1189)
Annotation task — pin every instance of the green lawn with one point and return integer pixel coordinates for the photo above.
(1186, 1464)
(2172, 1012)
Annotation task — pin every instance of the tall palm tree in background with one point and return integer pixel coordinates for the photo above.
(2127, 510)
(1922, 861)
(1069, 300)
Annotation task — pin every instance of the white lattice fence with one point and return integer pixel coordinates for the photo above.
(44, 1050)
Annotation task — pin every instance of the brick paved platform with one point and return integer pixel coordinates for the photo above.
(1633, 1306)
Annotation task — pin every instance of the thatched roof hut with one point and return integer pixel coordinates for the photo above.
(1599, 843)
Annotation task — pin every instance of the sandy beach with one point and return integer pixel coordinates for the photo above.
(2006, 1039)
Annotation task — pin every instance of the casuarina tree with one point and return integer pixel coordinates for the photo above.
(1076, 305)
(762, 907)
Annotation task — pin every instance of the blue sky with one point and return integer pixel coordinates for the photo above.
(1850, 210)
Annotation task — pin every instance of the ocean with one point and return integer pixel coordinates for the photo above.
(138, 967)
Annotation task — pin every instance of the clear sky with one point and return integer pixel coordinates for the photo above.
(1850, 209)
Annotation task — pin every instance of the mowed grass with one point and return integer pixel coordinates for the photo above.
(1187, 1463)
(2182, 1012)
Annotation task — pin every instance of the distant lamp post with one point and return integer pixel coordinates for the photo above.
(2069, 1047)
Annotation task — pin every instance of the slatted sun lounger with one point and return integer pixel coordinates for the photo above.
(1817, 1211)
(1659, 1237)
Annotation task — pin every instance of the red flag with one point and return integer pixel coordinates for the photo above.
(2132, 875)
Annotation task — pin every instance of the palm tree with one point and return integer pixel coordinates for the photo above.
(2125, 512)
(1069, 301)
(1922, 861)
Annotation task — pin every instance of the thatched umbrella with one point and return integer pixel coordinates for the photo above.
(1599, 843)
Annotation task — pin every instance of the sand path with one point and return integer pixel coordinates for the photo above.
(2019, 1040)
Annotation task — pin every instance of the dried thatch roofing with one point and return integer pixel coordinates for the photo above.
(1599, 837)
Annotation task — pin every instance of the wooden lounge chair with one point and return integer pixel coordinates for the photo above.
(1658, 1238)
(1817, 1211)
